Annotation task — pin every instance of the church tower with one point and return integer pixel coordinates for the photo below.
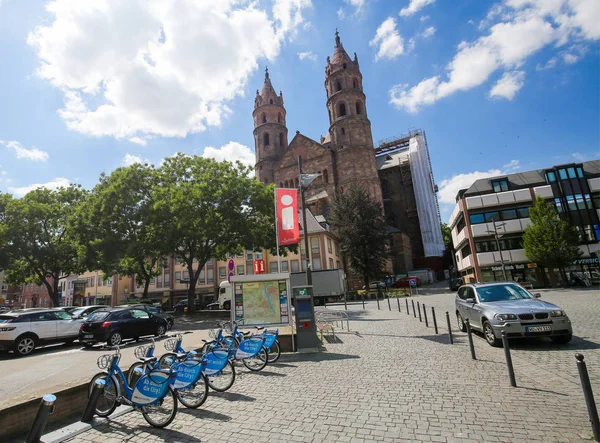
(270, 131)
(350, 128)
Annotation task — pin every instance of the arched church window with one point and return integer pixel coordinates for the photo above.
(279, 118)
(354, 84)
(264, 118)
(358, 108)
(342, 109)
(266, 139)
(343, 131)
(344, 65)
(271, 101)
(339, 85)
(281, 139)
(325, 176)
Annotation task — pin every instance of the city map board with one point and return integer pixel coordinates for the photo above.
(261, 300)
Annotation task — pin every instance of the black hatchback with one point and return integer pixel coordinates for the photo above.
(117, 325)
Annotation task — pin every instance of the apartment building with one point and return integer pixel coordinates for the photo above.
(491, 215)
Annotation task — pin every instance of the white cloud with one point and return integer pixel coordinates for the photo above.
(138, 141)
(340, 13)
(307, 26)
(511, 166)
(388, 39)
(415, 6)
(584, 157)
(429, 32)
(424, 18)
(232, 151)
(131, 159)
(33, 154)
(549, 64)
(508, 85)
(150, 67)
(59, 182)
(308, 55)
(524, 27)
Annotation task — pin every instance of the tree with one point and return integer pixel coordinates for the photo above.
(550, 241)
(447, 236)
(213, 208)
(37, 239)
(121, 228)
(363, 233)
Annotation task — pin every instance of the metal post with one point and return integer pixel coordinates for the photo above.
(499, 250)
(407, 310)
(588, 395)
(304, 228)
(90, 408)
(414, 311)
(449, 328)
(425, 316)
(470, 336)
(345, 304)
(511, 371)
(389, 304)
(398, 301)
(377, 297)
(434, 319)
(419, 309)
(41, 418)
(362, 297)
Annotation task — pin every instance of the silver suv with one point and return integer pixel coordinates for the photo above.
(24, 330)
(495, 307)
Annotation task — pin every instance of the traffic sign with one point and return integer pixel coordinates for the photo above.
(412, 282)
(229, 277)
(231, 265)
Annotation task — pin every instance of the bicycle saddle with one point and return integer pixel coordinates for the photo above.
(148, 359)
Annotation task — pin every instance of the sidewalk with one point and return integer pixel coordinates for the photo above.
(390, 379)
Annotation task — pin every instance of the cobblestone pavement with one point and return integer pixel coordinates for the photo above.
(392, 379)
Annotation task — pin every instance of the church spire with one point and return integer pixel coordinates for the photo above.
(337, 38)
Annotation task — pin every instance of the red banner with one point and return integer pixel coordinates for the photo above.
(259, 267)
(287, 216)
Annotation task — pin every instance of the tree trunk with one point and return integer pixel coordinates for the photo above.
(191, 305)
(551, 277)
(146, 285)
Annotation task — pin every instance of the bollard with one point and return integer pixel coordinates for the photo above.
(414, 311)
(425, 316)
(377, 297)
(434, 319)
(588, 395)
(41, 418)
(362, 296)
(407, 310)
(419, 308)
(345, 303)
(449, 327)
(398, 300)
(470, 336)
(90, 408)
(511, 371)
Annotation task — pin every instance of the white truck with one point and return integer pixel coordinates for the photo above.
(328, 286)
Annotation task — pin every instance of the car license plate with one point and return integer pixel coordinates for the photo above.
(88, 336)
(538, 329)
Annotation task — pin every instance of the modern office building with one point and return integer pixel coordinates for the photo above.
(491, 215)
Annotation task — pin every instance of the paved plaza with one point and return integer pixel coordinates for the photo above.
(392, 379)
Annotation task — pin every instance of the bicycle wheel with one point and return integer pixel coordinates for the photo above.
(194, 396)
(162, 413)
(259, 361)
(132, 376)
(164, 362)
(224, 380)
(274, 352)
(107, 403)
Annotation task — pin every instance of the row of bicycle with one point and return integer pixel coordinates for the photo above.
(154, 385)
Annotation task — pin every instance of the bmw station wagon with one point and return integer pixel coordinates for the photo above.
(494, 307)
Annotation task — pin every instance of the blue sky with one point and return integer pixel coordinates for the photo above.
(498, 87)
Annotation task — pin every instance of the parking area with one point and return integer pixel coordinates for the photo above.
(393, 379)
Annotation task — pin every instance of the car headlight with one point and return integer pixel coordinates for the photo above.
(505, 317)
(558, 313)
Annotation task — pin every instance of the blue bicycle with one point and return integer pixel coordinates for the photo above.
(271, 340)
(153, 393)
(191, 385)
(251, 351)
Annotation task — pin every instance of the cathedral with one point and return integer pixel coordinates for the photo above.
(346, 154)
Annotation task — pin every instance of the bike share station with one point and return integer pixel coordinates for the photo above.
(306, 326)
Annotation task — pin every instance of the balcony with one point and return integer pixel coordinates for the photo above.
(494, 259)
(506, 227)
(455, 214)
(499, 198)
(543, 191)
(465, 263)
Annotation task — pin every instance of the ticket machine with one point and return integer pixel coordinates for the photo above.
(306, 327)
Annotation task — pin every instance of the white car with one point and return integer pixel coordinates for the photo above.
(24, 330)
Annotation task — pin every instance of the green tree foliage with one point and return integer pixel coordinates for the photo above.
(447, 236)
(550, 241)
(121, 229)
(36, 237)
(212, 208)
(359, 223)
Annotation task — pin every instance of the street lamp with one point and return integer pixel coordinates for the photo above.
(305, 180)
(496, 236)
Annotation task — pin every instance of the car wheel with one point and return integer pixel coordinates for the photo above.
(24, 345)
(169, 324)
(88, 345)
(115, 339)
(227, 305)
(461, 323)
(488, 332)
(561, 339)
(160, 330)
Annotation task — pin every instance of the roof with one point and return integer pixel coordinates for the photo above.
(312, 224)
(392, 160)
(318, 196)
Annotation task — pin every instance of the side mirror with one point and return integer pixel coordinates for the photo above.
(470, 300)
(537, 295)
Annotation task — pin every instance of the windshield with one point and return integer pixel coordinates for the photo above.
(6, 318)
(76, 312)
(97, 316)
(501, 293)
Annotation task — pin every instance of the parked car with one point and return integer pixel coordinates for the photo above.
(375, 285)
(494, 307)
(119, 324)
(154, 310)
(404, 282)
(24, 330)
(84, 311)
(455, 283)
(181, 306)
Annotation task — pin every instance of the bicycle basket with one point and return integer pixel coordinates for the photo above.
(104, 361)
(141, 351)
(213, 333)
(171, 344)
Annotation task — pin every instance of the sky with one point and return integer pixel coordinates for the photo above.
(89, 86)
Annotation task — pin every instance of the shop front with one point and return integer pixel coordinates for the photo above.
(584, 272)
(517, 272)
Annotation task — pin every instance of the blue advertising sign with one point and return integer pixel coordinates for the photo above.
(270, 340)
(249, 348)
(188, 372)
(215, 361)
(150, 388)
